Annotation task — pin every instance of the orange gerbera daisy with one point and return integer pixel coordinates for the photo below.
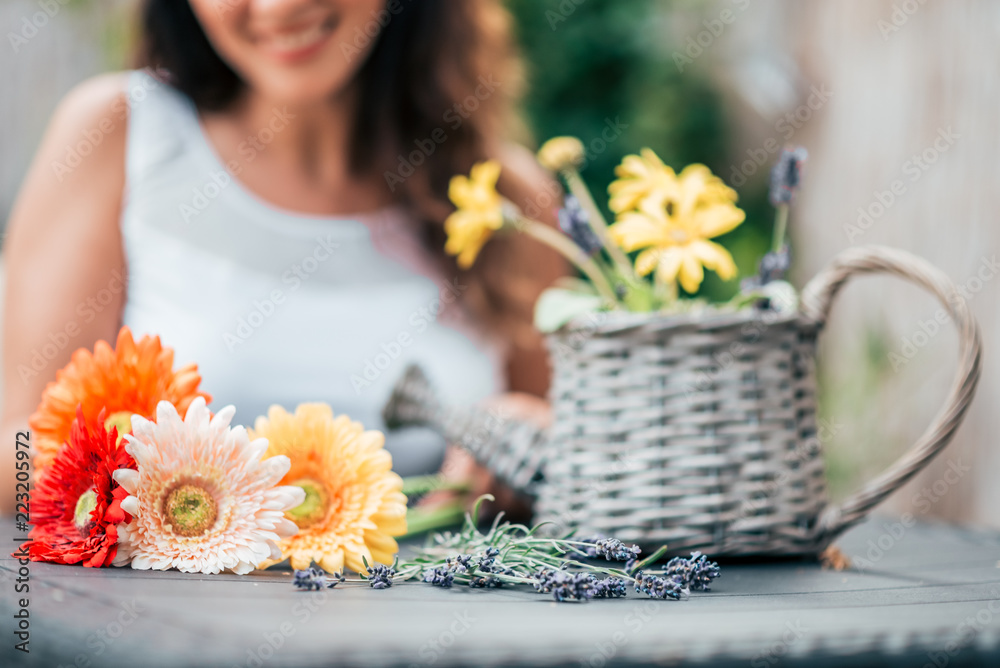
(354, 503)
(131, 378)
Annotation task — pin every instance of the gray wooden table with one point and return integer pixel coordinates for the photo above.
(928, 595)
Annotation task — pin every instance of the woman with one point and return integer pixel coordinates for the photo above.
(268, 197)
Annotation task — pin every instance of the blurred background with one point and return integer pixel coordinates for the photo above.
(897, 101)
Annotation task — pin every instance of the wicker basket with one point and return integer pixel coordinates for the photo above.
(698, 430)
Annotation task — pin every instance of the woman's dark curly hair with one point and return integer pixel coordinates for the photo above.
(429, 57)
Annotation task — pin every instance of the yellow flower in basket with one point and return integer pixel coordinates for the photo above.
(671, 217)
(479, 214)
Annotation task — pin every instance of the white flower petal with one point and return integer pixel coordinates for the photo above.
(130, 504)
(127, 478)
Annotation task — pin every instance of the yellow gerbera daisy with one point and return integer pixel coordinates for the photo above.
(479, 214)
(674, 224)
(353, 500)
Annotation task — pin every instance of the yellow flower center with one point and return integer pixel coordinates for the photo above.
(122, 421)
(190, 510)
(314, 508)
(84, 507)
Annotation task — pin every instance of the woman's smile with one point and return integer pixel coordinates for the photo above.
(298, 44)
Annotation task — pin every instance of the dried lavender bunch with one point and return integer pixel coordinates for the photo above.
(697, 572)
(511, 555)
(316, 578)
(574, 221)
(655, 586)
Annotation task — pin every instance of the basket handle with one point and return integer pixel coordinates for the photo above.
(816, 300)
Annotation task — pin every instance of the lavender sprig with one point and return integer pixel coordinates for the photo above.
(697, 572)
(316, 578)
(613, 549)
(380, 576)
(655, 586)
(575, 222)
(786, 175)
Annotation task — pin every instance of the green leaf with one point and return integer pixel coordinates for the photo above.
(557, 306)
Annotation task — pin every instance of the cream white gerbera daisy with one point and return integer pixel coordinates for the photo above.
(203, 499)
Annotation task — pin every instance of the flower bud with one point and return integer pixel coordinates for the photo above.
(561, 153)
(786, 175)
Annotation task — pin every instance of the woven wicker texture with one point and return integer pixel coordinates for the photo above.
(696, 429)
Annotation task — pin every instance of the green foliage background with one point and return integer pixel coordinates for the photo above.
(590, 62)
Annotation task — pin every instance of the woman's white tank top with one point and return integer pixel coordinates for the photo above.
(278, 307)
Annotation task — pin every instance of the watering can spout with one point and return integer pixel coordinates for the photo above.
(513, 450)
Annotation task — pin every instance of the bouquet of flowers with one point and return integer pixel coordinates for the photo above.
(666, 219)
(133, 469)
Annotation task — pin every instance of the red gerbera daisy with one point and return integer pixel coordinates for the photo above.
(76, 508)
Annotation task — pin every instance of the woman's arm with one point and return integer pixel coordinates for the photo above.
(63, 253)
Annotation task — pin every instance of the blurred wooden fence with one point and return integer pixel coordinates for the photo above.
(904, 150)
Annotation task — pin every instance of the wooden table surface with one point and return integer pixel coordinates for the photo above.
(929, 596)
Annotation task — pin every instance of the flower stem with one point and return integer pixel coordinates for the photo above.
(420, 520)
(780, 223)
(423, 484)
(599, 224)
(571, 252)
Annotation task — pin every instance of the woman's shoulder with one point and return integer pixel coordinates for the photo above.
(89, 125)
(99, 98)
